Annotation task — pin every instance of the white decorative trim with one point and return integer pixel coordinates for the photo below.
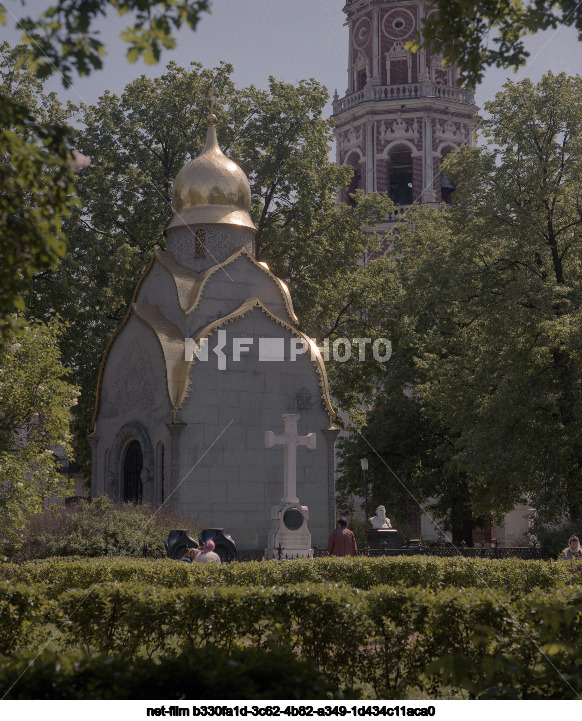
(403, 144)
(362, 24)
(449, 131)
(350, 138)
(398, 128)
(351, 153)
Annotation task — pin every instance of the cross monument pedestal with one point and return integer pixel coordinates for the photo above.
(289, 529)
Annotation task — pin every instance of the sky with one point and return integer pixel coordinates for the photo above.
(290, 39)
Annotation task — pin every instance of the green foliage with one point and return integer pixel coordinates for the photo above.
(63, 39)
(206, 673)
(21, 612)
(36, 181)
(534, 657)
(510, 638)
(515, 576)
(99, 528)
(35, 398)
(474, 36)
(37, 191)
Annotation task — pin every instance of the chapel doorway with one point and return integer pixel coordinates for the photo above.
(132, 468)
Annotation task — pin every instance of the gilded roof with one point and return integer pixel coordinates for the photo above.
(211, 189)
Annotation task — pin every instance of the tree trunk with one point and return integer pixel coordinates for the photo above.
(462, 516)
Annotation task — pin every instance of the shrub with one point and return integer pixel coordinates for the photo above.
(397, 638)
(207, 673)
(99, 528)
(514, 576)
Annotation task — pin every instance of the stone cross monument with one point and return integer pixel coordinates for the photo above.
(289, 529)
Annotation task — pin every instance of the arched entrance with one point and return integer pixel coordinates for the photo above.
(132, 468)
(131, 441)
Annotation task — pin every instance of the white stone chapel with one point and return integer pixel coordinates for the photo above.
(208, 358)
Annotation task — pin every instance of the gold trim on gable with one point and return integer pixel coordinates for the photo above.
(171, 340)
(190, 283)
(189, 286)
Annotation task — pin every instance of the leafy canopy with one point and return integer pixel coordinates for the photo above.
(482, 33)
(36, 182)
(63, 38)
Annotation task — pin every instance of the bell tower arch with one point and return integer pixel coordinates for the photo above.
(402, 111)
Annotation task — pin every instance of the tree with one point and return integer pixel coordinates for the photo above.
(63, 39)
(138, 143)
(479, 34)
(409, 443)
(527, 213)
(35, 402)
(36, 182)
(484, 307)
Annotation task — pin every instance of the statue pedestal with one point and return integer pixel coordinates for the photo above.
(289, 530)
(381, 537)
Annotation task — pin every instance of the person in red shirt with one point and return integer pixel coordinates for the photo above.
(342, 541)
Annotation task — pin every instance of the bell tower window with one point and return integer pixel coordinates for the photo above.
(400, 169)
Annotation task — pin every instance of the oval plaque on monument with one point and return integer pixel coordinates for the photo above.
(293, 518)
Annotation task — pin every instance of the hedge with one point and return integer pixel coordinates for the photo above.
(201, 674)
(394, 637)
(514, 576)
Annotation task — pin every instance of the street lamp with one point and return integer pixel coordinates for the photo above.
(364, 462)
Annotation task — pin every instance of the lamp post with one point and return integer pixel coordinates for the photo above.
(364, 462)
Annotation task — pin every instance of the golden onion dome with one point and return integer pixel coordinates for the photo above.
(211, 189)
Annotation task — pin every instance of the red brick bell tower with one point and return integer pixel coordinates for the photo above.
(402, 112)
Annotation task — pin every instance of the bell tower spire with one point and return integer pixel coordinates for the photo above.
(402, 111)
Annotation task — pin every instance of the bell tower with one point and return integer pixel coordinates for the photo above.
(402, 111)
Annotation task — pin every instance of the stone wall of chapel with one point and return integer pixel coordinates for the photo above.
(132, 392)
(235, 483)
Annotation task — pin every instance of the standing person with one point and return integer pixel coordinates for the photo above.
(572, 552)
(342, 541)
(207, 554)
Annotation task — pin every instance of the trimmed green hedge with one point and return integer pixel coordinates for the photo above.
(396, 638)
(514, 576)
(201, 674)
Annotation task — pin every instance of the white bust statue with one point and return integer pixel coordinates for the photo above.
(380, 520)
